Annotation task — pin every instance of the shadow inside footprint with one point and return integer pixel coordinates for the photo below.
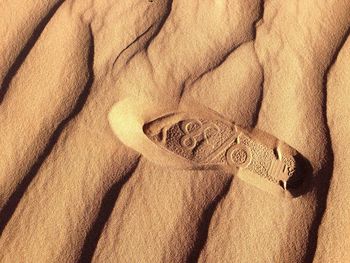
(301, 182)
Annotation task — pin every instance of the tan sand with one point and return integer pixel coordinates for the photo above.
(92, 171)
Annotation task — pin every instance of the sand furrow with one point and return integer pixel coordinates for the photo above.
(226, 90)
(168, 215)
(224, 35)
(333, 233)
(15, 197)
(106, 208)
(51, 96)
(20, 29)
(106, 162)
(205, 219)
(323, 183)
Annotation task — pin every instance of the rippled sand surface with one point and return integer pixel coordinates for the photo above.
(73, 190)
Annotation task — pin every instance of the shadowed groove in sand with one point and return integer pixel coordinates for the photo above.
(159, 27)
(26, 49)
(224, 57)
(106, 209)
(13, 201)
(215, 65)
(167, 12)
(136, 40)
(203, 227)
(222, 60)
(143, 40)
(261, 97)
(255, 117)
(324, 177)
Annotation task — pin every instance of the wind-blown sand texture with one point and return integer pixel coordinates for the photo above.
(73, 190)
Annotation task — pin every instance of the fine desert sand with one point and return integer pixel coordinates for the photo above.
(114, 116)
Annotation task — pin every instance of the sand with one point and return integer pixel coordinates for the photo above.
(93, 167)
